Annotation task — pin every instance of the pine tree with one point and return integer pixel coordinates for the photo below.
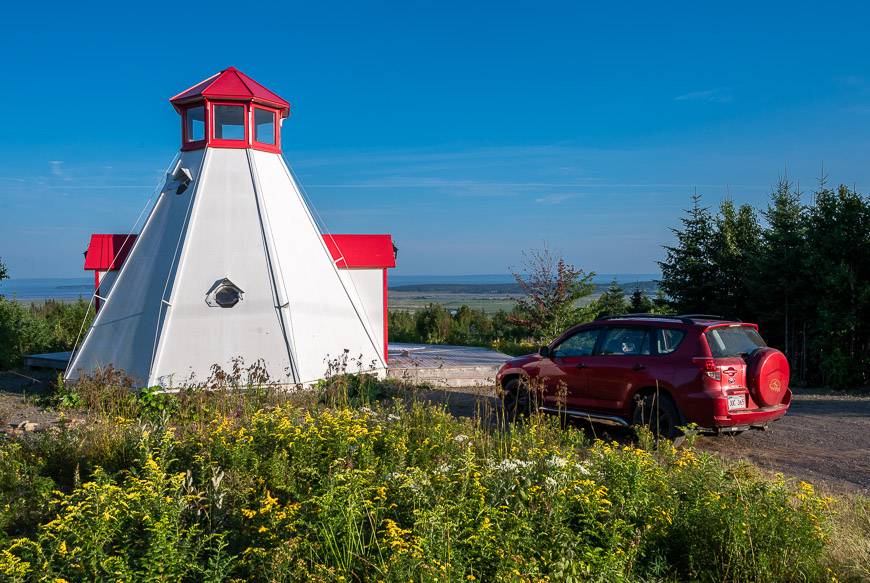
(639, 302)
(838, 243)
(734, 246)
(612, 301)
(780, 271)
(688, 275)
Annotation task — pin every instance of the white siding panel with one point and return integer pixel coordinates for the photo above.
(224, 241)
(125, 329)
(325, 316)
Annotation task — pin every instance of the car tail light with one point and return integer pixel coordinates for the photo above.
(708, 365)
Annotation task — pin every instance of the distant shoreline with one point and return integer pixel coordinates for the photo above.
(72, 289)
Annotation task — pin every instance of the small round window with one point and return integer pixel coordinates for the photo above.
(224, 294)
(227, 296)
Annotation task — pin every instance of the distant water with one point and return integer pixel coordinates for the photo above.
(72, 288)
(48, 288)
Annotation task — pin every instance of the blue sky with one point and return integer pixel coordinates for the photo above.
(470, 131)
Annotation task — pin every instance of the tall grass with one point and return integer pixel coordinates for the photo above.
(356, 481)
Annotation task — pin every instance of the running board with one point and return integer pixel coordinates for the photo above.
(596, 417)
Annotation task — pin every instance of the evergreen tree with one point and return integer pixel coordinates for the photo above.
(734, 246)
(639, 302)
(3, 273)
(612, 302)
(838, 237)
(688, 274)
(780, 271)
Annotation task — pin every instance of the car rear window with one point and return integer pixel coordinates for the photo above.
(733, 341)
(668, 339)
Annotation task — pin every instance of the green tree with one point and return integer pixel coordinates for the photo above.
(612, 301)
(688, 273)
(434, 324)
(780, 285)
(733, 248)
(4, 274)
(553, 290)
(838, 244)
(639, 302)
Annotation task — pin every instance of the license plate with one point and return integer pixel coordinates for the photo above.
(737, 402)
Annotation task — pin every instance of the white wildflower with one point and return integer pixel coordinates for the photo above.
(393, 417)
(461, 438)
(512, 465)
(557, 462)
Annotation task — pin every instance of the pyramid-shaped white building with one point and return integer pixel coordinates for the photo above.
(230, 262)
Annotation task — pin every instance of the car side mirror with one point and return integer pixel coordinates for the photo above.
(544, 351)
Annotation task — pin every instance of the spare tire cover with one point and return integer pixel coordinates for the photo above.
(768, 374)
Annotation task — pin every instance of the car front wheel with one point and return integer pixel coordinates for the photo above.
(517, 399)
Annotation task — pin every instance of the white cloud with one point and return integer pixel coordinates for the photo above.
(708, 95)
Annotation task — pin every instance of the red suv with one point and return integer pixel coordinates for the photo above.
(659, 371)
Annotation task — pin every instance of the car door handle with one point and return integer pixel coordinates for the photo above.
(581, 365)
(638, 367)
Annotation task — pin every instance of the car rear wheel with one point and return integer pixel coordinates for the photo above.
(659, 414)
(517, 399)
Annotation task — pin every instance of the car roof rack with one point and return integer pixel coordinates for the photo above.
(707, 317)
(683, 319)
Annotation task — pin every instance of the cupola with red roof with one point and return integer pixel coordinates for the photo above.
(230, 110)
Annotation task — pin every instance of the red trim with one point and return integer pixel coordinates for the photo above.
(96, 291)
(194, 145)
(224, 143)
(386, 320)
(276, 147)
(230, 87)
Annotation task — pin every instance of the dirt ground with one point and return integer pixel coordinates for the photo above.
(824, 438)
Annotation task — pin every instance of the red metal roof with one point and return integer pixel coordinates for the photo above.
(231, 84)
(361, 251)
(349, 251)
(103, 249)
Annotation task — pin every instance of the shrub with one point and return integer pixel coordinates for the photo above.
(273, 490)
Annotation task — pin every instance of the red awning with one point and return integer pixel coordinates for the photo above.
(104, 249)
(361, 251)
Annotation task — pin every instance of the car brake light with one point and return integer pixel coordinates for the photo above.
(708, 365)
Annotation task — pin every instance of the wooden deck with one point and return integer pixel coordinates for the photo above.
(434, 364)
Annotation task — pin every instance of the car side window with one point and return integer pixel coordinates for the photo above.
(668, 339)
(580, 344)
(626, 342)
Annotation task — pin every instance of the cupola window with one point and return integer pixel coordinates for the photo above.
(229, 122)
(194, 124)
(264, 126)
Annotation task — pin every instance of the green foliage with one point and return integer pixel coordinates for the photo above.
(688, 272)
(613, 302)
(392, 492)
(4, 273)
(804, 276)
(553, 290)
(50, 327)
(465, 327)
